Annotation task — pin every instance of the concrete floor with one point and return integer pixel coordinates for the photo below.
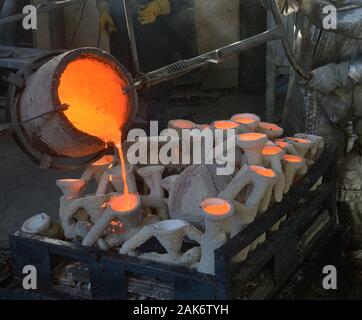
(25, 190)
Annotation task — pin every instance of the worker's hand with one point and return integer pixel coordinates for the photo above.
(149, 13)
(328, 78)
(105, 20)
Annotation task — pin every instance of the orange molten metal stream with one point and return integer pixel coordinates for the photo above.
(97, 107)
(217, 209)
(123, 166)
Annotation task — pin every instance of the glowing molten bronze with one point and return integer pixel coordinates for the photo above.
(242, 120)
(263, 171)
(271, 150)
(251, 136)
(282, 144)
(292, 158)
(93, 91)
(183, 124)
(225, 125)
(218, 209)
(300, 140)
(124, 203)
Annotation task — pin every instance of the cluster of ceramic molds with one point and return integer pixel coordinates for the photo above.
(170, 234)
(93, 219)
(152, 177)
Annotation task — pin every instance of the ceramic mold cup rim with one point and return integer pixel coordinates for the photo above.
(231, 122)
(300, 160)
(259, 170)
(269, 147)
(220, 217)
(136, 208)
(42, 219)
(169, 226)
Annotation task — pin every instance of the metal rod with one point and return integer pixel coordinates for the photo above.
(183, 67)
(132, 38)
(10, 126)
(288, 50)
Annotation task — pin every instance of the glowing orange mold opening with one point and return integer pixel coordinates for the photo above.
(93, 91)
(225, 125)
(282, 144)
(251, 136)
(124, 202)
(272, 150)
(300, 140)
(218, 209)
(292, 158)
(263, 171)
(242, 120)
(183, 124)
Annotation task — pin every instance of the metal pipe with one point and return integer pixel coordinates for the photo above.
(132, 38)
(183, 67)
(288, 50)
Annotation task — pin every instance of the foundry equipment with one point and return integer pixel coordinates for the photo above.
(43, 125)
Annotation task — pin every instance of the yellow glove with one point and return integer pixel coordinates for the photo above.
(105, 19)
(149, 13)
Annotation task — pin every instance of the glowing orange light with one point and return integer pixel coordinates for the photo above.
(300, 140)
(97, 105)
(293, 158)
(123, 203)
(218, 209)
(225, 125)
(251, 136)
(271, 150)
(282, 144)
(93, 91)
(263, 171)
(103, 161)
(242, 120)
(183, 124)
